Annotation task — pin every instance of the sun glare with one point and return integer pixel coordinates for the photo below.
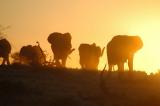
(148, 58)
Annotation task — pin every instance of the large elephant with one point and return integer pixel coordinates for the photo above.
(61, 47)
(5, 50)
(32, 55)
(89, 56)
(122, 49)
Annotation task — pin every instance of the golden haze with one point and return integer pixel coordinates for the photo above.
(88, 21)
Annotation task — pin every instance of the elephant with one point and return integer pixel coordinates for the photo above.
(5, 50)
(32, 55)
(122, 49)
(89, 56)
(61, 47)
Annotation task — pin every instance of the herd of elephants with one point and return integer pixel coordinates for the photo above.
(120, 49)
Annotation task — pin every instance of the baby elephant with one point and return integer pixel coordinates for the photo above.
(89, 56)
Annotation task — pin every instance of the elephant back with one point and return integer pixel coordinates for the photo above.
(126, 43)
(5, 47)
(27, 52)
(87, 49)
(32, 53)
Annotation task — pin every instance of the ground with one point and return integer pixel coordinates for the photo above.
(44, 86)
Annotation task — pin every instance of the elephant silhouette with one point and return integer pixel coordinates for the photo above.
(89, 56)
(61, 47)
(122, 49)
(32, 55)
(5, 50)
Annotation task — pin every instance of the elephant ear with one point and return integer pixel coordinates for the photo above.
(67, 40)
(137, 42)
(5, 46)
(54, 37)
(67, 36)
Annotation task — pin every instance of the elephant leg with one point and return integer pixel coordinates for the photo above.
(83, 66)
(56, 62)
(109, 70)
(64, 61)
(110, 67)
(81, 63)
(130, 63)
(8, 62)
(96, 64)
(87, 65)
(120, 70)
(21, 60)
(121, 67)
(3, 62)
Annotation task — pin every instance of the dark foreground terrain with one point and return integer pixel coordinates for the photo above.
(27, 86)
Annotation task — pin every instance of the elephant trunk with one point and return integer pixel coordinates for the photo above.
(130, 62)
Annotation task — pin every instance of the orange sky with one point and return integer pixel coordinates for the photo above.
(88, 21)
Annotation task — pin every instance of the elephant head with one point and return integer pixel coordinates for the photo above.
(5, 50)
(122, 49)
(61, 47)
(89, 55)
(32, 55)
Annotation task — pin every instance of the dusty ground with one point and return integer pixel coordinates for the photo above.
(27, 86)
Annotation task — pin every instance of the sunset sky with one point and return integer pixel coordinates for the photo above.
(88, 21)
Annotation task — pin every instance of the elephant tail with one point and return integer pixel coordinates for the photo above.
(71, 51)
(103, 81)
(102, 72)
(102, 51)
